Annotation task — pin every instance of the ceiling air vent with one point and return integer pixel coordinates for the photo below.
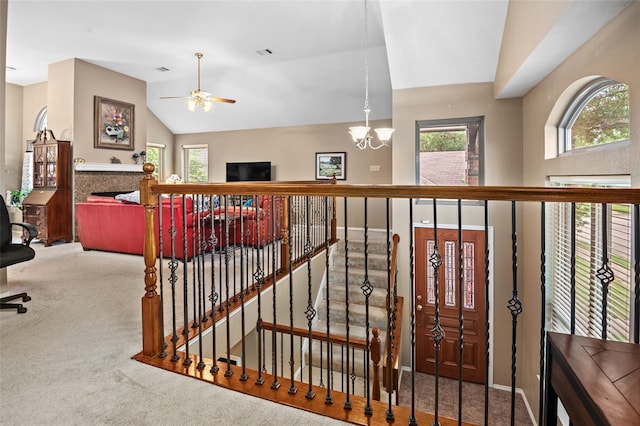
(264, 52)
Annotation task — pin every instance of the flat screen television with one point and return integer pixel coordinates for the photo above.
(249, 171)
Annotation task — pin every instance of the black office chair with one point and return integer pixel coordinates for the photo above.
(11, 253)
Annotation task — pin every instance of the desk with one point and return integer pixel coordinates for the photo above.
(598, 381)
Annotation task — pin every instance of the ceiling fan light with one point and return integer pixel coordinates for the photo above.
(206, 105)
(191, 105)
(384, 133)
(358, 132)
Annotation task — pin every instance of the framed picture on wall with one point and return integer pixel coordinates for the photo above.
(113, 124)
(329, 164)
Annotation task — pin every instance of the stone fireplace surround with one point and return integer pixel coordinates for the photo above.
(103, 177)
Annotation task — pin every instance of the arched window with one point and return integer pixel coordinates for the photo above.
(41, 120)
(598, 115)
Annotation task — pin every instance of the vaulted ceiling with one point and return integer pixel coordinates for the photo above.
(316, 72)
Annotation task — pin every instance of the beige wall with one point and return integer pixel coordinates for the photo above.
(14, 145)
(613, 52)
(503, 159)
(291, 151)
(91, 80)
(158, 133)
(526, 26)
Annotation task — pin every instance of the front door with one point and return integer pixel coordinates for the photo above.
(450, 287)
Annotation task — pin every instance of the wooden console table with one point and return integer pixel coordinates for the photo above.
(598, 381)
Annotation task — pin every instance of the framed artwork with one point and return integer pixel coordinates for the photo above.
(329, 164)
(113, 124)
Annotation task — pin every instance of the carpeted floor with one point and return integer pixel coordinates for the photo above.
(67, 361)
(473, 400)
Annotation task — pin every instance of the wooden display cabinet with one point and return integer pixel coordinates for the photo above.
(48, 206)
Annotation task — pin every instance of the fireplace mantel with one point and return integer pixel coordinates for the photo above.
(108, 167)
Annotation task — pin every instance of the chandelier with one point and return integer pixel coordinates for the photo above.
(360, 134)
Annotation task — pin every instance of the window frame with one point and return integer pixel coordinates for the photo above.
(557, 234)
(159, 172)
(185, 160)
(573, 111)
(452, 122)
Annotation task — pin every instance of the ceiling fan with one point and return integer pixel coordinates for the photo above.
(199, 97)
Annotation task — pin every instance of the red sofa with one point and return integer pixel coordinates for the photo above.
(258, 224)
(105, 223)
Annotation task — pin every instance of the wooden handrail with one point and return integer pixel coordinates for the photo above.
(316, 335)
(374, 346)
(497, 193)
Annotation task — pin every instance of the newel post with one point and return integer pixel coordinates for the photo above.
(374, 348)
(151, 303)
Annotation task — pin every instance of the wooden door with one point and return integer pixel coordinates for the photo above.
(449, 287)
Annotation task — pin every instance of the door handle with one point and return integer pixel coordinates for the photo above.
(419, 308)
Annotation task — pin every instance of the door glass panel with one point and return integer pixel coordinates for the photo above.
(431, 294)
(469, 275)
(450, 273)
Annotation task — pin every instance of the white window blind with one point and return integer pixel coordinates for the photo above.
(589, 245)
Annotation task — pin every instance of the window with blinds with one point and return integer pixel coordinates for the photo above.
(196, 163)
(577, 231)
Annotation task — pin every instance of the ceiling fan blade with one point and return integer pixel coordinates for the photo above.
(229, 101)
(200, 95)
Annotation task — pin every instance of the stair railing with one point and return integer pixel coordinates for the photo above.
(501, 198)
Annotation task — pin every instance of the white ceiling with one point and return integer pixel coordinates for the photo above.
(316, 72)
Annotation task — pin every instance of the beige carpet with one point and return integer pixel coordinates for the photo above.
(67, 360)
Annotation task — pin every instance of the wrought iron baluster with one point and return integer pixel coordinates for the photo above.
(636, 287)
(197, 256)
(258, 278)
(310, 312)
(328, 399)
(185, 330)
(352, 376)
(227, 303)
(173, 279)
(194, 245)
(515, 306)
(163, 352)
(347, 402)
(487, 319)
(412, 283)
(244, 284)
(573, 267)
(543, 301)
(274, 350)
(224, 231)
(292, 387)
(460, 310)
(391, 325)
(605, 273)
(213, 297)
(367, 289)
(437, 332)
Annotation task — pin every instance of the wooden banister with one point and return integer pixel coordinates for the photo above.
(374, 346)
(152, 338)
(316, 335)
(496, 193)
(392, 346)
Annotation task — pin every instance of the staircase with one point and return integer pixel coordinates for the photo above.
(377, 275)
